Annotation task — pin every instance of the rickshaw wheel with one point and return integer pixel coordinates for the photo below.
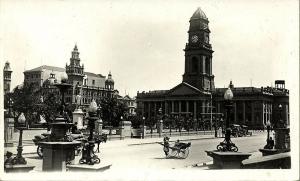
(173, 152)
(234, 148)
(81, 161)
(39, 151)
(220, 148)
(97, 160)
(184, 153)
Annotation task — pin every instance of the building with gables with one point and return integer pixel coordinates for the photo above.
(87, 84)
(196, 96)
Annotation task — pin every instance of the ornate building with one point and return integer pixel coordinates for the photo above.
(6, 78)
(197, 96)
(88, 85)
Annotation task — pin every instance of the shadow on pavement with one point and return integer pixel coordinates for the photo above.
(169, 157)
(34, 157)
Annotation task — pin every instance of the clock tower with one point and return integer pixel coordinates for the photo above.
(198, 54)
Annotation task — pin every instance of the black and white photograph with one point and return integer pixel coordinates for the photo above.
(149, 90)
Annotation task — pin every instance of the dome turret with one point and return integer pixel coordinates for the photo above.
(199, 14)
(7, 66)
(109, 79)
(109, 82)
(50, 81)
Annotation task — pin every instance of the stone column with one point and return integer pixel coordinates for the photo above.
(143, 108)
(195, 109)
(159, 126)
(210, 65)
(267, 111)
(179, 106)
(264, 112)
(252, 113)
(149, 110)
(98, 126)
(287, 114)
(8, 131)
(203, 64)
(78, 117)
(166, 107)
(155, 113)
(244, 112)
(187, 106)
(125, 129)
(172, 106)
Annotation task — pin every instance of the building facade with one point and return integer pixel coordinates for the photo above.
(86, 84)
(131, 104)
(6, 78)
(196, 96)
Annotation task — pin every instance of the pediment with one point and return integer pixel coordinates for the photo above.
(184, 89)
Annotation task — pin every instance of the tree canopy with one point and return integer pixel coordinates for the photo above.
(112, 109)
(34, 102)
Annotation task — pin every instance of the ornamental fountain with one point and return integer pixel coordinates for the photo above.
(60, 149)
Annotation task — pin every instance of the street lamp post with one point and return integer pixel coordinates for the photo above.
(63, 87)
(216, 134)
(160, 122)
(227, 144)
(143, 133)
(19, 159)
(88, 155)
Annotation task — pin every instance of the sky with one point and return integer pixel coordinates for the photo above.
(141, 42)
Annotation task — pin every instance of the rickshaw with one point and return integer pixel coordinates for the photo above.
(45, 137)
(178, 150)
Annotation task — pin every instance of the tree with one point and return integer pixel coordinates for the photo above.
(34, 102)
(23, 100)
(112, 110)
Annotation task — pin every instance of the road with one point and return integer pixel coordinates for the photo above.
(151, 156)
(122, 155)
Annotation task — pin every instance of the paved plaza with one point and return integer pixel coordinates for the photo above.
(146, 153)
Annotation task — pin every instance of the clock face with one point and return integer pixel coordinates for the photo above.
(194, 38)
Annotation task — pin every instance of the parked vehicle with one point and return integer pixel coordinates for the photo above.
(236, 130)
(245, 130)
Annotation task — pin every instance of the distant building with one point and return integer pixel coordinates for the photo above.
(6, 78)
(88, 85)
(197, 98)
(131, 104)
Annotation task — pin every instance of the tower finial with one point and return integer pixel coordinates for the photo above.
(75, 47)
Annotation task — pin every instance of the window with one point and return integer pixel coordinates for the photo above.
(194, 64)
(207, 65)
(93, 82)
(206, 38)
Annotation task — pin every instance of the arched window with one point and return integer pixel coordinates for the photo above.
(195, 64)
